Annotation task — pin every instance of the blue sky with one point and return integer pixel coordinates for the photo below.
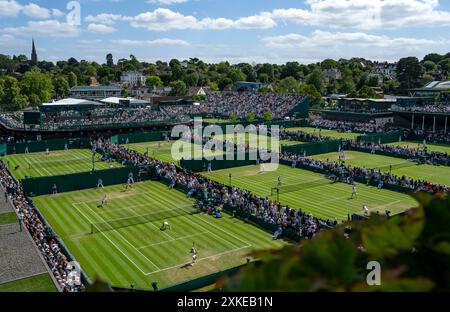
(258, 31)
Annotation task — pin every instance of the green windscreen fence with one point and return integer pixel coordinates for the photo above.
(312, 148)
(52, 145)
(3, 149)
(77, 181)
(202, 165)
(139, 137)
(382, 138)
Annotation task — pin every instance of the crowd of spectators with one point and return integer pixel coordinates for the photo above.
(438, 136)
(346, 126)
(379, 177)
(286, 218)
(43, 237)
(96, 117)
(442, 108)
(241, 103)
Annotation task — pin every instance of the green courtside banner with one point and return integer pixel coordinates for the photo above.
(77, 181)
(52, 145)
(312, 148)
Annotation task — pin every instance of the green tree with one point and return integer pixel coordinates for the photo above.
(225, 83)
(109, 60)
(409, 72)
(316, 79)
(61, 87)
(234, 117)
(192, 79)
(178, 88)
(38, 87)
(314, 96)
(267, 116)
(236, 75)
(11, 97)
(287, 85)
(72, 79)
(251, 117)
(153, 82)
(263, 78)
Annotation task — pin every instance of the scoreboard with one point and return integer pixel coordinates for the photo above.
(32, 118)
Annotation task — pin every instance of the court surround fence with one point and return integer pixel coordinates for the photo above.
(77, 181)
(41, 146)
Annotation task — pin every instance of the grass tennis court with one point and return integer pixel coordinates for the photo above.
(142, 253)
(434, 174)
(37, 283)
(56, 163)
(162, 150)
(326, 133)
(255, 140)
(443, 148)
(324, 200)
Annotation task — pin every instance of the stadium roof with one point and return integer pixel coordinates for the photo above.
(436, 86)
(116, 100)
(96, 88)
(71, 102)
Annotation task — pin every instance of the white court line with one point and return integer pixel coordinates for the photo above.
(206, 258)
(114, 244)
(126, 240)
(385, 205)
(231, 243)
(174, 239)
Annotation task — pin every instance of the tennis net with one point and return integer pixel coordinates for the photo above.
(110, 225)
(405, 164)
(300, 186)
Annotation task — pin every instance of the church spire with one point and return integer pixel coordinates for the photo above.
(34, 58)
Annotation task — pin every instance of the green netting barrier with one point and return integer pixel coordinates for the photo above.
(52, 145)
(3, 149)
(312, 148)
(115, 139)
(202, 165)
(140, 137)
(77, 181)
(382, 138)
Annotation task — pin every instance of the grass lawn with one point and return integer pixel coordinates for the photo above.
(434, 174)
(325, 201)
(8, 218)
(255, 140)
(141, 254)
(326, 133)
(443, 148)
(162, 150)
(37, 283)
(56, 163)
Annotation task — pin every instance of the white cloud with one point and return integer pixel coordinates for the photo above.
(35, 11)
(166, 2)
(164, 19)
(9, 41)
(105, 18)
(323, 44)
(57, 13)
(143, 43)
(363, 14)
(9, 8)
(100, 28)
(50, 28)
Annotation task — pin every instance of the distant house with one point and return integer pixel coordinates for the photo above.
(133, 78)
(385, 69)
(95, 92)
(332, 74)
